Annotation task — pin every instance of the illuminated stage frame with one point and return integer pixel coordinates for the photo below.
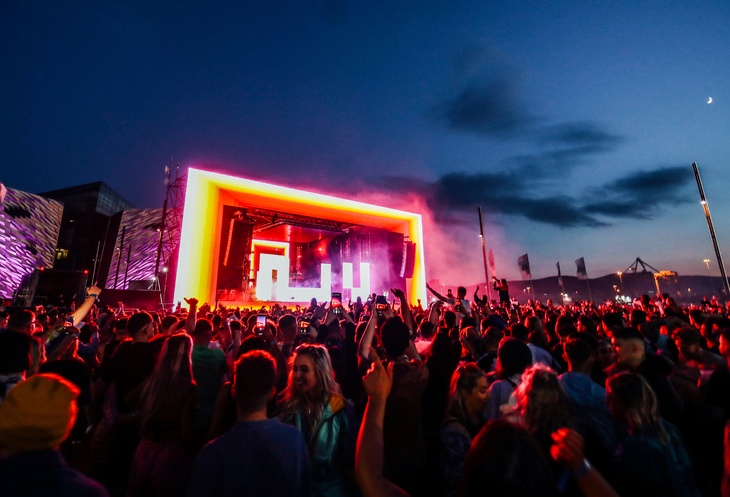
(208, 192)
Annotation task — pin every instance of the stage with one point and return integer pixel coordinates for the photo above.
(248, 244)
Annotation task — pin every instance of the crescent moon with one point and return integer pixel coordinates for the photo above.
(710, 100)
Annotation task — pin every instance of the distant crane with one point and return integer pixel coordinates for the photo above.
(635, 266)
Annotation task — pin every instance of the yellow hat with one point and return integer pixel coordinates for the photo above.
(38, 413)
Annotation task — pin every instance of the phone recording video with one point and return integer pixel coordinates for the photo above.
(380, 304)
(304, 327)
(336, 303)
(260, 324)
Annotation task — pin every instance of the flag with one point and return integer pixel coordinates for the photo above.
(560, 276)
(581, 265)
(492, 267)
(524, 263)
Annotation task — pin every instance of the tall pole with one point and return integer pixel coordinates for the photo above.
(96, 261)
(484, 254)
(129, 262)
(532, 287)
(162, 225)
(706, 208)
(119, 259)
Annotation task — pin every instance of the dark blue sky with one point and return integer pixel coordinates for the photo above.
(573, 124)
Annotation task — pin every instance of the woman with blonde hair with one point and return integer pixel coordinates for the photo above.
(465, 416)
(167, 401)
(542, 404)
(543, 409)
(313, 403)
(652, 460)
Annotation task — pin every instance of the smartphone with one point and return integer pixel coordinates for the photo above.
(380, 304)
(336, 303)
(304, 327)
(260, 324)
(457, 303)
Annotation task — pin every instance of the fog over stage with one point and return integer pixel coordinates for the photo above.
(247, 243)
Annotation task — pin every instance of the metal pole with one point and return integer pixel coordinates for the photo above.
(706, 208)
(96, 260)
(103, 248)
(126, 270)
(119, 259)
(484, 254)
(162, 224)
(532, 287)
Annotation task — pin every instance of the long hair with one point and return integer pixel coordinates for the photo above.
(37, 357)
(639, 403)
(533, 323)
(173, 368)
(463, 382)
(293, 400)
(541, 401)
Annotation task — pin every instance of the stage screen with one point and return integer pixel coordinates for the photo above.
(245, 242)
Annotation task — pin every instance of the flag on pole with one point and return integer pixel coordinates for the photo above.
(492, 267)
(581, 265)
(560, 276)
(524, 263)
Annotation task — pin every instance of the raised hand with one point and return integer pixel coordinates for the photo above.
(191, 301)
(398, 293)
(378, 381)
(568, 448)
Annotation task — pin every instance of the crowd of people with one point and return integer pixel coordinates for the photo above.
(374, 398)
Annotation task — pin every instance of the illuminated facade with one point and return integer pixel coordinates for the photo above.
(29, 228)
(275, 264)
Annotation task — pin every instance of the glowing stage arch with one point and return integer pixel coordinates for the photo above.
(207, 193)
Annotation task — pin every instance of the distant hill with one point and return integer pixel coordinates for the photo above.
(684, 289)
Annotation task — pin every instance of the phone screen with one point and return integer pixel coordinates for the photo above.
(260, 324)
(380, 304)
(336, 303)
(304, 327)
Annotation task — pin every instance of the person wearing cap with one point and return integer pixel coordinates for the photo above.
(35, 418)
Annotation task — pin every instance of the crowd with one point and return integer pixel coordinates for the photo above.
(374, 398)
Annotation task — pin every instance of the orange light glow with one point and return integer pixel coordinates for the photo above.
(208, 192)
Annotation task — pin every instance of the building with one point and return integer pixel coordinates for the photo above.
(88, 228)
(29, 230)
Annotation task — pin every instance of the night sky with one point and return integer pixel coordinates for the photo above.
(572, 123)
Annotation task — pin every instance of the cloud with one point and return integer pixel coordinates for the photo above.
(490, 109)
(580, 134)
(637, 195)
